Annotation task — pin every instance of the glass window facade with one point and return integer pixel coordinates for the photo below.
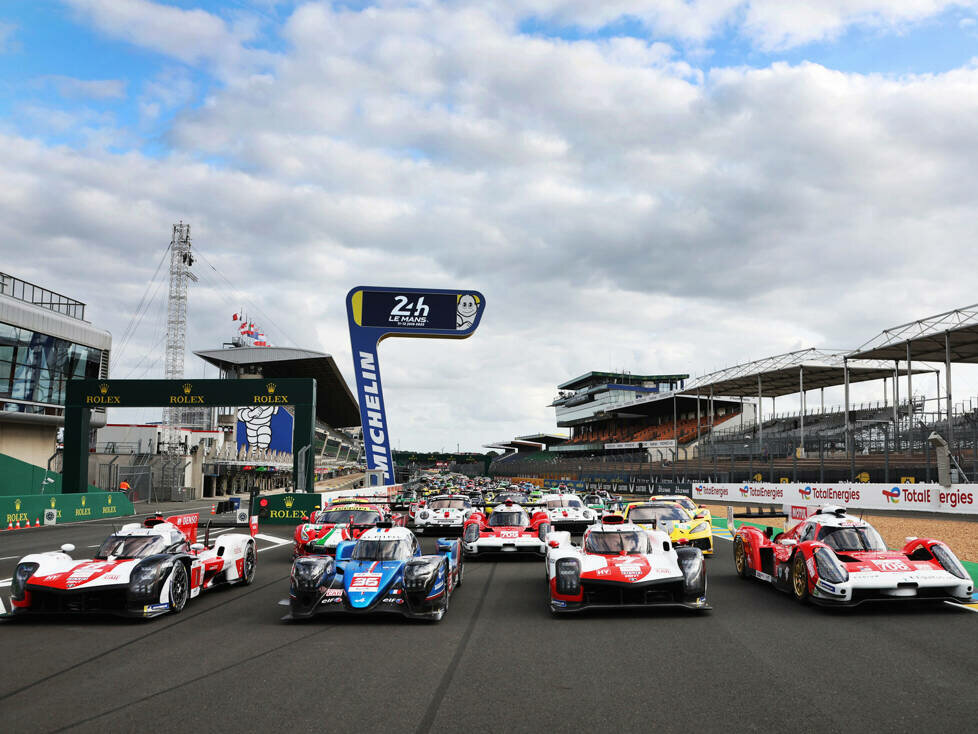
(36, 367)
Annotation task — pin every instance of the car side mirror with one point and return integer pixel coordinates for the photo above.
(67, 548)
(197, 547)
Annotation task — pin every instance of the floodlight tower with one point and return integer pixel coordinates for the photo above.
(181, 259)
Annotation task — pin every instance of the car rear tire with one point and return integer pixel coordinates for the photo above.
(179, 588)
(250, 564)
(799, 578)
(461, 570)
(740, 558)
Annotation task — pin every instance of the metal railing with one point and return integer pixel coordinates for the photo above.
(38, 296)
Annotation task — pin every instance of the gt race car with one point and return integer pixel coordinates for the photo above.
(697, 511)
(835, 559)
(509, 529)
(338, 522)
(567, 512)
(620, 564)
(444, 512)
(383, 571)
(141, 570)
(674, 520)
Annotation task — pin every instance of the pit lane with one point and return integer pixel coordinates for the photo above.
(497, 662)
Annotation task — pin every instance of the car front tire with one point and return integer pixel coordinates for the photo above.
(799, 578)
(740, 558)
(179, 588)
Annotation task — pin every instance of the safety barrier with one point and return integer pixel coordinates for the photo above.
(959, 499)
(29, 510)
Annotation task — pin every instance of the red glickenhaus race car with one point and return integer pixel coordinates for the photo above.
(835, 559)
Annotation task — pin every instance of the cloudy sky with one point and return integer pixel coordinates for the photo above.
(650, 185)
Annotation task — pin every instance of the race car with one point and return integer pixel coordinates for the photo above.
(499, 498)
(403, 499)
(509, 529)
(674, 520)
(444, 512)
(620, 564)
(835, 559)
(141, 570)
(336, 523)
(382, 571)
(567, 512)
(697, 511)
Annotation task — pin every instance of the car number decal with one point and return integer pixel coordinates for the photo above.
(365, 581)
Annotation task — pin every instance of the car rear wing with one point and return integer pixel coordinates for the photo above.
(758, 516)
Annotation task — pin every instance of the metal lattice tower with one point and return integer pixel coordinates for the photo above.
(176, 325)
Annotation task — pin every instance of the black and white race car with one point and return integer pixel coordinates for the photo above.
(142, 570)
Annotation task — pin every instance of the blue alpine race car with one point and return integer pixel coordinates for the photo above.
(382, 571)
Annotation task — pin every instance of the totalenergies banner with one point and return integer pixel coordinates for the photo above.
(377, 313)
(959, 499)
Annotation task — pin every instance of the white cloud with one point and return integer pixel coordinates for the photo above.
(72, 88)
(616, 210)
(7, 42)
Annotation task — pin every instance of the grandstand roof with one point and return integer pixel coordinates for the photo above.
(500, 445)
(335, 404)
(926, 339)
(589, 377)
(779, 374)
(548, 439)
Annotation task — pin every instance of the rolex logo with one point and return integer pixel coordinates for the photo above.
(110, 499)
(17, 504)
(289, 501)
(187, 387)
(103, 388)
(83, 500)
(270, 387)
(52, 502)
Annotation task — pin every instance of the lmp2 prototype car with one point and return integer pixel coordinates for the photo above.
(620, 564)
(444, 512)
(141, 570)
(835, 559)
(674, 520)
(383, 571)
(509, 529)
(338, 522)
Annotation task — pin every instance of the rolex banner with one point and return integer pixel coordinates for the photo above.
(286, 509)
(29, 509)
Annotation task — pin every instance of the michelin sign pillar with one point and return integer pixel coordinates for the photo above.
(377, 313)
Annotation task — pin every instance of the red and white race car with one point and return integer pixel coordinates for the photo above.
(835, 559)
(338, 522)
(621, 564)
(509, 529)
(143, 570)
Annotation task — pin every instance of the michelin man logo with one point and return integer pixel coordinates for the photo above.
(468, 307)
(258, 425)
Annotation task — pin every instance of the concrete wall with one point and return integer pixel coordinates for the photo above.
(28, 442)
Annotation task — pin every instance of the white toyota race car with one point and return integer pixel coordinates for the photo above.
(142, 570)
(620, 564)
(444, 512)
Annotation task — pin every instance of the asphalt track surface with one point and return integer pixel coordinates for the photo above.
(497, 662)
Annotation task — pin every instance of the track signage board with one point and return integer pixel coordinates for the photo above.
(376, 313)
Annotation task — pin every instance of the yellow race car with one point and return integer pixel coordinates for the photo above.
(691, 507)
(675, 519)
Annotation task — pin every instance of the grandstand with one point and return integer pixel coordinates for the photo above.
(712, 438)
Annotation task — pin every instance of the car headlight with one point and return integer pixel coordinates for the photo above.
(829, 567)
(417, 574)
(423, 515)
(701, 528)
(947, 559)
(691, 564)
(471, 532)
(18, 583)
(568, 576)
(588, 514)
(143, 580)
(307, 572)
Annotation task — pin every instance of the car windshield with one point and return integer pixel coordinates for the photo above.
(664, 513)
(358, 517)
(851, 539)
(382, 550)
(131, 546)
(558, 502)
(594, 499)
(508, 519)
(628, 542)
(516, 497)
(453, 504)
